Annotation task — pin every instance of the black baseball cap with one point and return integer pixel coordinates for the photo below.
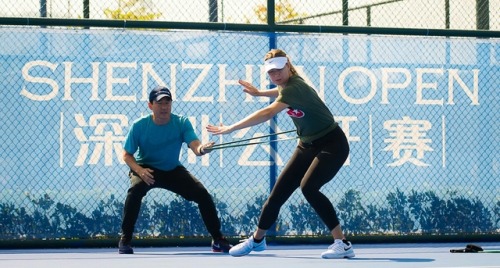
(158, 93)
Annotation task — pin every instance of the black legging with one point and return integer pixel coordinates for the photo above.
(310, 167)
(179, 181)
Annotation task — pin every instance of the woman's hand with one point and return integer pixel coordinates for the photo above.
(249, 88)
(220, 129)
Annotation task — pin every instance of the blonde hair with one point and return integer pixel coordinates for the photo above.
(273, 53)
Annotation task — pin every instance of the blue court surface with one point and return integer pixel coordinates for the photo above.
(435, 255)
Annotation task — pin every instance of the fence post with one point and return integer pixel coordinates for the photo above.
(212, 10)
(43, 8)
(86, 9)
(483, 14)
(345, 12)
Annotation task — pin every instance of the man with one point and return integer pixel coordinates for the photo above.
(157, 139)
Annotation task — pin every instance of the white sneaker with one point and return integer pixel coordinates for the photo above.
(338, 250)
(247, 246)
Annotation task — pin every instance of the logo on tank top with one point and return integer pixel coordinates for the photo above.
(295, 113)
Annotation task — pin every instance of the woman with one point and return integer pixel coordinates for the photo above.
(321, 152)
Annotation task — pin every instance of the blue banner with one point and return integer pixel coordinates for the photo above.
(419, 112)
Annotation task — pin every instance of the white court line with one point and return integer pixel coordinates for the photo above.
(463, 267)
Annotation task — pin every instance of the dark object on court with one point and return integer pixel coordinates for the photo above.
(470, 248)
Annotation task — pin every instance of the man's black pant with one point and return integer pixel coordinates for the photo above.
(179, 181)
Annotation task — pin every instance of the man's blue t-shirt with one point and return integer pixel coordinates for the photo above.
(159, 146)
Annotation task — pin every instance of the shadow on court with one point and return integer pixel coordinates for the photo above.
(393, 259)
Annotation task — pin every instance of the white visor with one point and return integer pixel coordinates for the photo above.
(275, 63)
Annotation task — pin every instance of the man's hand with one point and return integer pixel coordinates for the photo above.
(206, 148)
(146, 174)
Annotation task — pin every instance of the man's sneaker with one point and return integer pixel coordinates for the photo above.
(124, 246)
(247, 246)
(221, 245)
(338, 250)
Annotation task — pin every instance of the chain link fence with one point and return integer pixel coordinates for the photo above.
(432, 14)
(420, 113)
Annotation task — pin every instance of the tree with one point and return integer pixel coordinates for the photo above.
(470, 216)
(284, 11)
(160, 218)
(426, 207)
(497, 214)
(8, 221)
(305, 220)
(249, 219)
(455, 215)
(352, 213)
(377, 219)
(69, 222)
(185, 218)
(399, 212)
(106, 218)
(132, 10)
(41, 227)
(227, 220)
